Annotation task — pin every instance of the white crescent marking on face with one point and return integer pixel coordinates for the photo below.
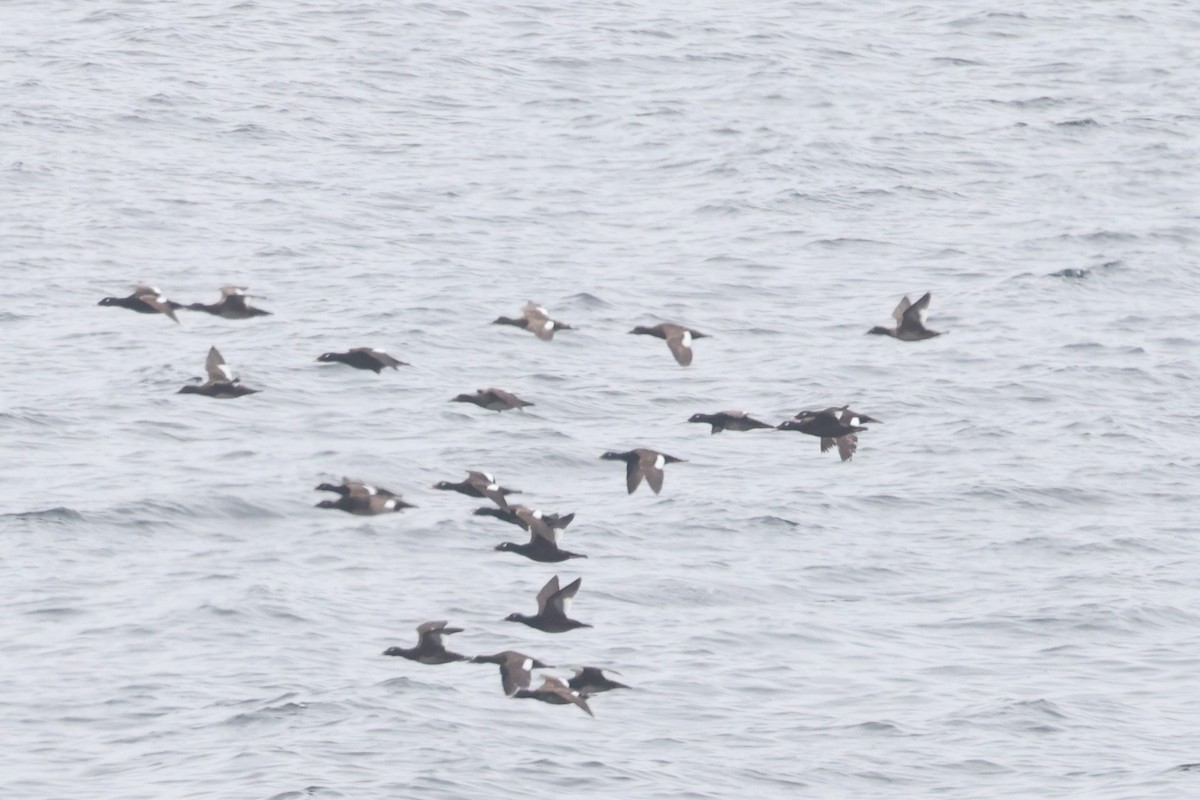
(659, 462)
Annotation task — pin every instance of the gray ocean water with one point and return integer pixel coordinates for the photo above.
(996, 598)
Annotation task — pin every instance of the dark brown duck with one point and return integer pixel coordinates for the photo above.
(221, 384)
(363, 358)
(429, 649)
(679, 339)
(553, 606)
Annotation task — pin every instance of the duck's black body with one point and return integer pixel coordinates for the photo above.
(492, 399)
(910, 321)
(232, 305)
(642, 463)
(221, 384)
(514, 669)
(591, 680)
(729, 421)
(536, 320)
(835, 426)
(678, 338)
(363, 358)
(555, 692)
(553, 605)
(479, 484)
(544, 537)
(429, 649)
(144, 300)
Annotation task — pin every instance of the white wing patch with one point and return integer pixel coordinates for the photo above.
(491, 487)
(226, 372)
(659, 462)
(687, 339)
(527, 664)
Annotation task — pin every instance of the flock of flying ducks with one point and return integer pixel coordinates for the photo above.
(835, 427)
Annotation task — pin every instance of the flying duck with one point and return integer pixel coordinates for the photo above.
(678, 338)
(232, 305)
(729, 421)
(553, 605)
(514, 669)
(348, 487)
(557, 693)
(364, 358)
(362, 499)
(492, 399)
(838, 426)
(591, 680)
(221, 383)
(642, 463)
(479, 484)
(429, 649)
(511, 516)
(543, 538)
(536, 320)
(145, 300)
(910, 321)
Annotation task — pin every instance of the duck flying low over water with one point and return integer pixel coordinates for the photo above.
(679, 339)
(555, 692)
(367, 505)
(642, 463)
(232, 305)
(221, 383)
(910, 321)
(835, 425)
(145, 300)
(363, 358)
(512, 515)
(429, 649)
(591, 680)
(553, 606)
(536, 320)
(515, 669)
(362, 499)
(479, 484)
(544, 538)
(729, 421)
(349, 487)
(492, 399)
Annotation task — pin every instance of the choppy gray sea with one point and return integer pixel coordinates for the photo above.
(996, 598)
